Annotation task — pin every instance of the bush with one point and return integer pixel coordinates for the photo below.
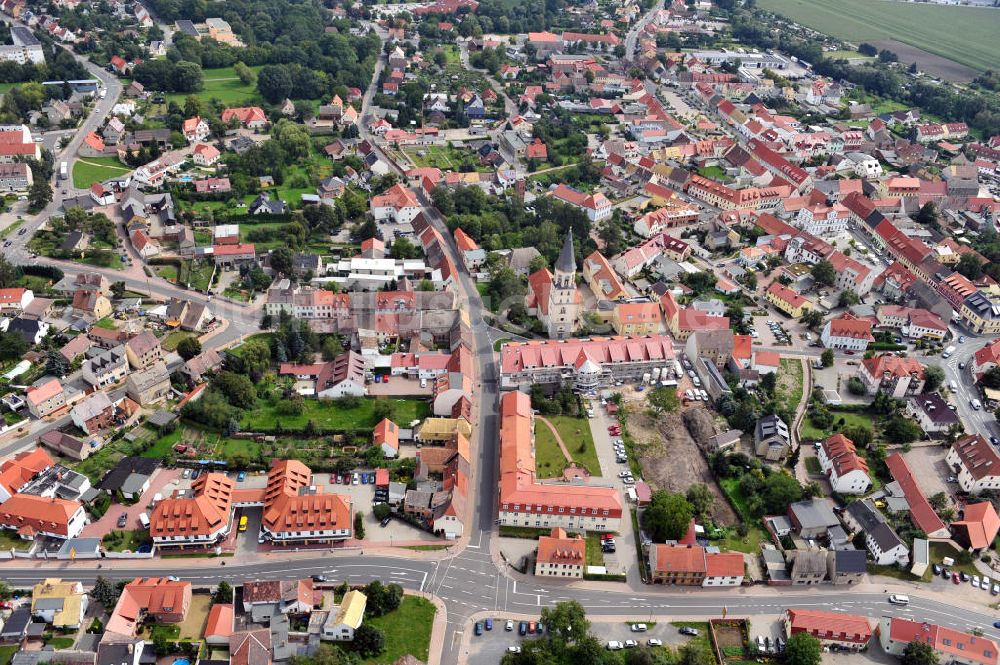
(856, 386)
(381, 511)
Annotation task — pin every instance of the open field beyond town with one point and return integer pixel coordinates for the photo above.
(966, 35)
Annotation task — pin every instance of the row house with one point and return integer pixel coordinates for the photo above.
(914, 322)
(691, 565)
(683, 322)
(725, 198)
(839, 628)
(950, 645)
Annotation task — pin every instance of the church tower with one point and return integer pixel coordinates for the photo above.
(564, 301)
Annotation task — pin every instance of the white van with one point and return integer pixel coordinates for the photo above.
(954, 386)
(630, 493)
(144, 520)
(976, 404)
(899, 599)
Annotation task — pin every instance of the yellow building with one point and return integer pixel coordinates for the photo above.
(61, 604)
(981, 314)
(787, 300)
(340, 625)
(637, 319)
(442, 430)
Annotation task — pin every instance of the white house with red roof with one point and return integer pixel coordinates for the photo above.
(847, 471)
(846, 630)
(976, 464)
(892, 374)
(848, 333)
(251, 117)
(597, 206)
(205, 154)
(16, 143)
(196, 129)
(14, 300)
(398, 203)
(951, 645)
(823, 220)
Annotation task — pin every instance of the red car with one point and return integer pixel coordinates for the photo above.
(611, 427)
(955, 578)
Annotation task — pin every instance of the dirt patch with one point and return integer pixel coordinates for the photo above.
(934, 65)
(728, 636)
(673, 459)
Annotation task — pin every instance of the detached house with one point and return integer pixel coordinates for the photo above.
(976, 464)
(195, 129)
(895, 376)
(560, 556)
(597, 206)
(45, 398)
(772, 439)
(847, 332)
(847, 471)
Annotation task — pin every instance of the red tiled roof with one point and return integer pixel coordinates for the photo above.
(960, 646)
(835, 626)
(920, 509)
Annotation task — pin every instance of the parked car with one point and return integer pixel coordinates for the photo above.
(639, 628)
(488, 624)
(615, 645)
(241, 476)
(522, 628)
(688, 630)
(509, 626)
(653, 642)
(122, 520)
(385, 521)
(631, 644)
(514, 649)
(479, 628)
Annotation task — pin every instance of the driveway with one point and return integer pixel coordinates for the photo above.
(163, 482)
(930, 469)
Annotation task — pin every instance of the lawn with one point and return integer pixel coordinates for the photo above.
(444, 157)
(847, 55)
(328, 415)
(60, 642)
(407, 631)
(579, 441)
(170, 342)
(749, 545)
(810, 432)
(789, 386)
(595, 555)
(964, 34)
(121, 541)
(223, 84)
(88, 170)
(9, 539)
(107, 323)
(196, 274)
(714, 173)
(813, 466)
(7, 651)
(13, 227)
(168, 273)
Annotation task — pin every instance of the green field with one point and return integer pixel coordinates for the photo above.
(407, 631)
(966, 35)
(222, 84)
(88, 170)
(327, 414)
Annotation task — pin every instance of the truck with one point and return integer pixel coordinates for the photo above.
(947, 352)
(656, 374)
(646, 377)
(678, 370)
(63, 170)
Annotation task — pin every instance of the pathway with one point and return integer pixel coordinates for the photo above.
(555, 435)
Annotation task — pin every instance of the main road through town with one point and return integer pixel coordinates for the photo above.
(468, 580)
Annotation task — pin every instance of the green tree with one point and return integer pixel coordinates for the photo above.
(991, 378)
(918, 653)
(780, 491)
(359, 526)
(803, 649)
(56, 364)
(827, 358)
(900, 429)
(668, 516)
(274, 83)
(104, 592)
(368, 641)
(856, 386)
(812, 318)
(662, 400)
(566, 621)
(848, 298)
(824, 272)
(281, 261)
(238, 389)
(247, 75)
(223, 593)
(381, 409)
(332, 347)
(701, 499)
(188, 347)
(970, 266)
(933, 378)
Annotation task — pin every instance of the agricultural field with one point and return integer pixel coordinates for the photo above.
(966, 35)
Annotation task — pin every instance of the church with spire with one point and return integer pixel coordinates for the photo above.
(553, 296)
